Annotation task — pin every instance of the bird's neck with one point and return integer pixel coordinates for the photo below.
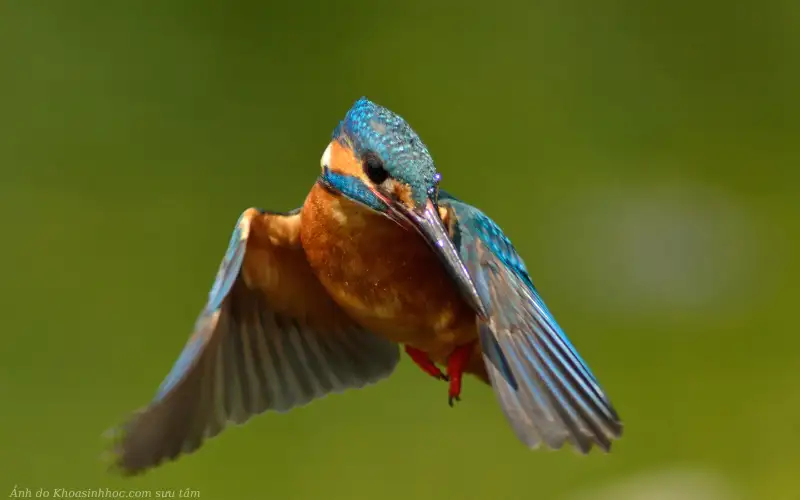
(336, 214)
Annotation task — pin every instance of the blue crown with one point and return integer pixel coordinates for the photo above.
(370, 127)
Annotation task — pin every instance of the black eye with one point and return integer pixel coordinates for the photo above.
(373, 167)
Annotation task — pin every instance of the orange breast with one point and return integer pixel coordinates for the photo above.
(384, 276)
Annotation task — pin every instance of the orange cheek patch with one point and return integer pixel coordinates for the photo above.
(402, 192)
(344, 161)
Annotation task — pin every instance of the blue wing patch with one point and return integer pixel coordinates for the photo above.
(545, 388)
(244, 357)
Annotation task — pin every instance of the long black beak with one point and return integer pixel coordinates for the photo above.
(428, 223)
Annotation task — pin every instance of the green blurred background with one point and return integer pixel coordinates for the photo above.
(643, 156)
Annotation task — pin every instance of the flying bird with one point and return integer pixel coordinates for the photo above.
(320, 299)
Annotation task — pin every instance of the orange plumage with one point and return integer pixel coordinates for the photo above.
(317, 300)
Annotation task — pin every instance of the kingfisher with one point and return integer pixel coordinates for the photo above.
(320, 299)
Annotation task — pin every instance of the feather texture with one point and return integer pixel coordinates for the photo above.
(269, 338)
(546, 390)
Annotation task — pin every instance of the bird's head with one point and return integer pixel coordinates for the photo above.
(376, 160)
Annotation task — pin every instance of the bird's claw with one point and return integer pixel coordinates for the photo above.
(456, 363)
(422, 360)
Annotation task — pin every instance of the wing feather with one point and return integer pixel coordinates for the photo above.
(269, 338)
(545, 389)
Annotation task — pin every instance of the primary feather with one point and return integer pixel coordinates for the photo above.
(546, 390)
(269, 338)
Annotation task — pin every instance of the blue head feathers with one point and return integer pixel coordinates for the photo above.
(370, 127)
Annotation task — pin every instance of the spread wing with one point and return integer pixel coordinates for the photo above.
(546, 390)
(269, 338)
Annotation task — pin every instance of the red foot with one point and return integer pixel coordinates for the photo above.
(455, 369)
(423, 361)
